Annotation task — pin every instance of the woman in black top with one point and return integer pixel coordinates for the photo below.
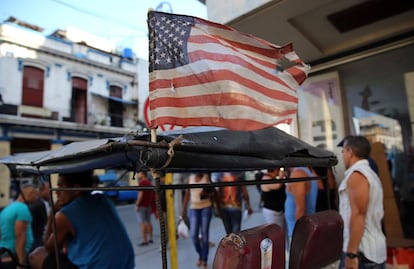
(273, 197)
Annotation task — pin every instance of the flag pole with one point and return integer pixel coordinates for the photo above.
(161, 218)
(156, 176)
(170, 215)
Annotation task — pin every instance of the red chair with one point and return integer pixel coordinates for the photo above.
(316, 240)
(242, 250)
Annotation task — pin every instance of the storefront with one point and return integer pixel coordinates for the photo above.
(371, 94)
(361, 80)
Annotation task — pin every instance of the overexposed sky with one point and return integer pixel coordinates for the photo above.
(122, 21)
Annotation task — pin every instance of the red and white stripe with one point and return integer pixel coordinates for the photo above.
(231, 81)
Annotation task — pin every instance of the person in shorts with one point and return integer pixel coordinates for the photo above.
(145, 206)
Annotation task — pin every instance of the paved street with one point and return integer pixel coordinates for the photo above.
(149, 257)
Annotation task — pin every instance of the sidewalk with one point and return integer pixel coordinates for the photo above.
(149, 257)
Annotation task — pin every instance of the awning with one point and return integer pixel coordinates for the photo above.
(193, 149)
(117, 99)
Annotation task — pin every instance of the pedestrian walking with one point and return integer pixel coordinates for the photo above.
(300, 196)
(273, 197)
(16, 220)
(230, 199)
(145, 206)
(40, 211)
(361, 208)
(201, 212)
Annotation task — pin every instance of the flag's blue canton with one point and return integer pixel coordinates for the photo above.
(168, 35)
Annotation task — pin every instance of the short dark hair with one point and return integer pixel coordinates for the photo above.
(359, 145)
(83, 179)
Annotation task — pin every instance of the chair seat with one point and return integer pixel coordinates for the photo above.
(316, 240)
(242, 250)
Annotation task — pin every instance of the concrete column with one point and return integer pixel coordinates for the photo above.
(4, 173)
(55, 144)
(409, 89)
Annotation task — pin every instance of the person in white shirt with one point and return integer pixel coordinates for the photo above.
(361, 207)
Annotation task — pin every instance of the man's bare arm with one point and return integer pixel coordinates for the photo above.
(358, 189)
(20, 228)
(298, 190)
(63, 230)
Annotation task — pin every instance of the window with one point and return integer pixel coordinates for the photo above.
(33, 81)
(79, 102)
(115, 108)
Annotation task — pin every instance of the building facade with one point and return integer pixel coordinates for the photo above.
(68, 86)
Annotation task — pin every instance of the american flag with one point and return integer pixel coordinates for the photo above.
(203, 73)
